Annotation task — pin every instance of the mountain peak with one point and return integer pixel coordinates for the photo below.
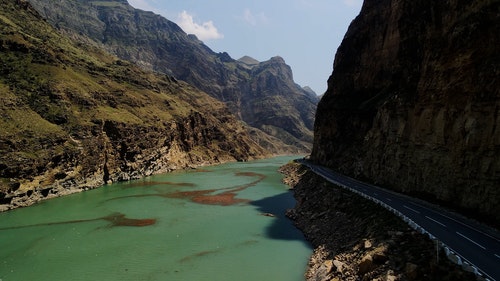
(249, 61)
(278, 59)
(309, 90)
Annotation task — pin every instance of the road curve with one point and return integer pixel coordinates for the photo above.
(479, 248)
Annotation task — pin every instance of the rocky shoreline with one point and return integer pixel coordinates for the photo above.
(355, 239)
(17, 196)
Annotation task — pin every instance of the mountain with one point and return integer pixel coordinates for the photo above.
(74, 117)
(413, 103)
(156, 43)
(249, 61)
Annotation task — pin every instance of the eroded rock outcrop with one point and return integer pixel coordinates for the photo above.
(413, 103)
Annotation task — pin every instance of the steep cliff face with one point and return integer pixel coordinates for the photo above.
(156, 43)
(276, 113)
(73, 117)
(413, 103)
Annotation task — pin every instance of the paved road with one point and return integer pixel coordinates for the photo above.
(461, 235)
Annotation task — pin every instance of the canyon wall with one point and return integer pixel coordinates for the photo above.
(413, 103)
(73, 117)
(262, 94)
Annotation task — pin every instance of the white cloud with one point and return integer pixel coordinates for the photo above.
(204, 31)
(254, 20)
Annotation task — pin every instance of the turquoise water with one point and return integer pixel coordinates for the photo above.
(205, 224)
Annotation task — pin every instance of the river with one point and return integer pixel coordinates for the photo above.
(222, 222)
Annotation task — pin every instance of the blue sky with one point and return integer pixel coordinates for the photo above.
(306, 33)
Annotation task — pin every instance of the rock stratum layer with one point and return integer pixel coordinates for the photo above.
(262, 94)
(413, 103)
(73, 117)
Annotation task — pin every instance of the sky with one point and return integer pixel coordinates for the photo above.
(306, 33)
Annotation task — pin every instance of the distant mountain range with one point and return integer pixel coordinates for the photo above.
(262, 94)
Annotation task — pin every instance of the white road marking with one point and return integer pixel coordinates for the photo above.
(476, 230)
(471, 240)
(389, 199)
(436, 221)
(411, 209)
(497, 256)
(457, 221)
(420, 206)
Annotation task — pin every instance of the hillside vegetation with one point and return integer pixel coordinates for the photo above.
(74, 117)
(262, 94)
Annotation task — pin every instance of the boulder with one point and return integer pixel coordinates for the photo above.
(366, 264)
(339, 266)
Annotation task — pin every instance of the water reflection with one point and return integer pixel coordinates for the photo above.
(281, 226)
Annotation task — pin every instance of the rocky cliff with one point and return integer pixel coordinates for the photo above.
(278, 107)
(73, 117)
(413, 103)
(270, 105)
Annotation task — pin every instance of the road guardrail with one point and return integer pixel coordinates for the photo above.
(449, 252)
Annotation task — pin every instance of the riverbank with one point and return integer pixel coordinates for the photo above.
(37, 190)
(355, 239)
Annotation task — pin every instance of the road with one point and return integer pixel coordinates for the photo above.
(462, 236)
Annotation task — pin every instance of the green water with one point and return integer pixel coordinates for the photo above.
(205, 224)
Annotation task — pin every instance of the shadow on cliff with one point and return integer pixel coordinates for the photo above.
(274, 209)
